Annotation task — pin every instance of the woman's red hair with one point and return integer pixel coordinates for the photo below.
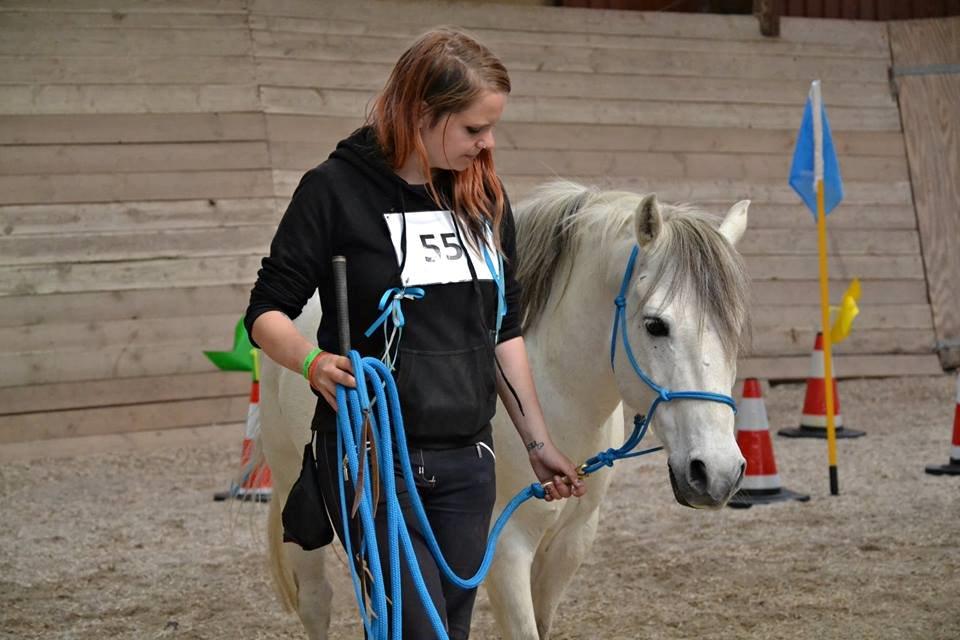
(445, 70)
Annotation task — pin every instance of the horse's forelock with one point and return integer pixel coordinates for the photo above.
(691, 256)
(694, 262)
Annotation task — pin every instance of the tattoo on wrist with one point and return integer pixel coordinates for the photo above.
(534, 444)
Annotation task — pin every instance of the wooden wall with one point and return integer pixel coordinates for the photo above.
(148, 151)
(136, 191)
(842, 9)
(926, 56)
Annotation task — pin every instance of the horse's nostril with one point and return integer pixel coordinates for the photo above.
(698, 475)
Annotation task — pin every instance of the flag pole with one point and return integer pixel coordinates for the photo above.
(824, 287)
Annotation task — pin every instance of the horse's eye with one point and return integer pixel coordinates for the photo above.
(656, 327)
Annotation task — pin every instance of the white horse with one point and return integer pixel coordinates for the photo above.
(686, 308)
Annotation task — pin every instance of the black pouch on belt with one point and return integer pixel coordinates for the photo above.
(305, 520)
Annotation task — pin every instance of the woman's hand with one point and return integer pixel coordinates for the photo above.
(330, 371)
(555, 471)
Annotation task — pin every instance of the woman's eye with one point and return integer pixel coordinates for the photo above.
(656, 327)
(473, 130)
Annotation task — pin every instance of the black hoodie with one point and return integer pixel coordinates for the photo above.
(445, 364)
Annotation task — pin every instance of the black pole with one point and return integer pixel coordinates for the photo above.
(343, 312)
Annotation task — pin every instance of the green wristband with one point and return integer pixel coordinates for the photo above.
(316, 351)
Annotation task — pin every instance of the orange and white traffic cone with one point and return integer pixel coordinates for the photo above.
(254, 482)
(761, 483)
(952, 468)
(813, 421)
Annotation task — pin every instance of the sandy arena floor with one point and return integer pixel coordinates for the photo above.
(131, 546)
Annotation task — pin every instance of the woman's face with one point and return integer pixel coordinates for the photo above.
(456, 139)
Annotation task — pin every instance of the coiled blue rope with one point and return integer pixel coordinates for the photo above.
(387, 423)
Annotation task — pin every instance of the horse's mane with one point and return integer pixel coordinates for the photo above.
(698, 259)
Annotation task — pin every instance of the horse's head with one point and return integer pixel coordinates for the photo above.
(686, 308)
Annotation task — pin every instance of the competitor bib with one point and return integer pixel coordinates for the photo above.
(434, 255)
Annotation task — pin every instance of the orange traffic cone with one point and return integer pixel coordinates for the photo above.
(761, 483)
(254, 481)
(952, 468)
(813, 421)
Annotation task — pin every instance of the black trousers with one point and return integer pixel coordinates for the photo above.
(458, 490)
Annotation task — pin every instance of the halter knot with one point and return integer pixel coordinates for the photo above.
(664, 394)
(607, 458)
(620, 301)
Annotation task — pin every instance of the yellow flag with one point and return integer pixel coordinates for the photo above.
(845, 313)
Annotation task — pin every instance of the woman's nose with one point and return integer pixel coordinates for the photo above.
(488, 142)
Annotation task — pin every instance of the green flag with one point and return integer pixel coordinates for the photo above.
(240, 358)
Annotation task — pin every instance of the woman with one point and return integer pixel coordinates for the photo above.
(413, 202)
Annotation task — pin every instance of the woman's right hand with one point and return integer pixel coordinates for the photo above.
(331, 370)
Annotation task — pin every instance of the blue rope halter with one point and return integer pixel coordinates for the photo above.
(640, 422)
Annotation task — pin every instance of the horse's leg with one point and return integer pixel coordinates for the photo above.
(508, 583)
(314, 595)
(299, 576)
(557, 560)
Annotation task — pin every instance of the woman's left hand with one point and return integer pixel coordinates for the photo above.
(555, 472)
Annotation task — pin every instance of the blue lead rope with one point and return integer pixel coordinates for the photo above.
(387, 423)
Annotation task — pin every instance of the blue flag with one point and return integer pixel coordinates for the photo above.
(802, 171)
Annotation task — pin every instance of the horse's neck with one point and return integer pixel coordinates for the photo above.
(570, 347)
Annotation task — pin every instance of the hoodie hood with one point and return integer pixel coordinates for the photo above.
(362, 150)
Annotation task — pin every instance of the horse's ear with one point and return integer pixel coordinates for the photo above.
(648, 220)
(735, 223)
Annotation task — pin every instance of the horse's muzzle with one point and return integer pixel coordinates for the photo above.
(691, 490)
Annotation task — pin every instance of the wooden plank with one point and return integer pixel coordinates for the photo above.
(925, 42)
(212, 332)
(326, 131)
(106, 187)
(798, 341)
(120, 391)
(107, 420)
(537, 19)
(134, 304)
(73, 249)
(171, 98)
(77, 128)
(293, 155)
(872, 316)
(728, 191)
(846, 216)
(34, 19)
(19, 220)
(849, 366)
(132, 158)
(367, 76)
(130, 6)
(125, 42)
(223, 435)
(931, 113)
(787, 267)
(492, 37)
(789, 292)
(343, 103)
(47, 367)
(164, 69)
(841, 241)
(141, 274)
(518, 55)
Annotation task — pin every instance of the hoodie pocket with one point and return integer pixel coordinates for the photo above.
(446, 394)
